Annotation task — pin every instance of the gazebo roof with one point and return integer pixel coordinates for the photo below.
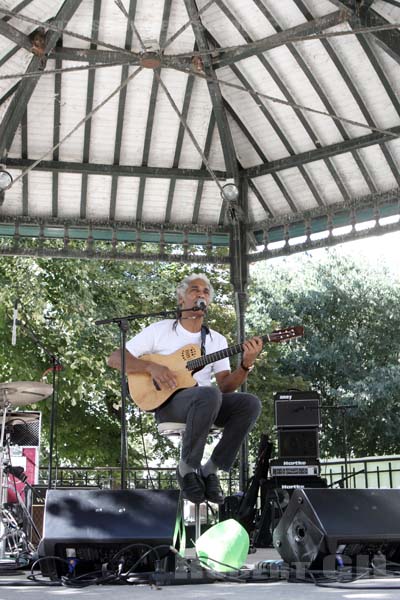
(121, 121)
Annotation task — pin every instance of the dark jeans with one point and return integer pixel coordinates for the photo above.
(203, 406)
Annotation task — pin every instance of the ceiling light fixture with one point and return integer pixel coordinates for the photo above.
(6, 182)
(230, 192)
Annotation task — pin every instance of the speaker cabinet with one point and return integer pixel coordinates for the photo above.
(95, 527)
(297, 409)
(298, 443)
(321, 527)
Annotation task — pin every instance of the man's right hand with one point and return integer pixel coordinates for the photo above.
(162, 376)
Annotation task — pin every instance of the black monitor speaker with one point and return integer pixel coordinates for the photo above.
(323, 526)
(91, 528)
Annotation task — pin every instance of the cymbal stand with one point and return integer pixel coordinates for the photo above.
(11, 534)
(5, 405)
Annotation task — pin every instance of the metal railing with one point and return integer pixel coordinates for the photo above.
(368, 472)
(110, 478)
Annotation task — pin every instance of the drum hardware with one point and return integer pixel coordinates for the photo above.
(14, 543)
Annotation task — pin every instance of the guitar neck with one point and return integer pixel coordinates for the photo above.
(202, 361)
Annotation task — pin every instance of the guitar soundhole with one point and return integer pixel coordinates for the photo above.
(189, 353)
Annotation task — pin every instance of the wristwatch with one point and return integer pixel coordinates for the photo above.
(247, 369)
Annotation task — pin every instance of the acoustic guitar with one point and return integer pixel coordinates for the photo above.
(184, 363)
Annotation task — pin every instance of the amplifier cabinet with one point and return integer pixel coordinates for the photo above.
(297, 410)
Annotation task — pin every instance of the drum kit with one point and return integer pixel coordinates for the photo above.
(15, 546)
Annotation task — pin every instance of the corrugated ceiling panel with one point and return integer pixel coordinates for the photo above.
(41, 118)
(81, 22)
(246, 154)
(288, 14)
(6, 45)
(16, 146)
(216, 157)
(136, 111)
(284, 116)
(113, 24)
(256, 211)
(198, 121)
(364, 77)
(166, 122)
(211, 203)
(319, 8)
(378, 167)
(272, 195)
(148, 22)
(298, 188)
(155, 200)
(40, 194)
(389, 11)
(394, 148)
(45, 8)
(4, 106)
(15, 150)
(303, 93)
(13, 197)
(251, 18)
(185, 41)
(9, 4)
(183, 204)
(220, 26)
(104, 122)
(329, 190)
(127, 195)
(351, 175)
(16, 64)
(333, 85)
(98, 197)
(390, 67)
(73, 109)
(249, 113)
(69, 195)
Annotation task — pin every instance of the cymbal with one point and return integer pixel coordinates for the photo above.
(21, 417)
(20, 393)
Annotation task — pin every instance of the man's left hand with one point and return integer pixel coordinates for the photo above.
(251, 349)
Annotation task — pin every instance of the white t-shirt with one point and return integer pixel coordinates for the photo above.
(162, 338)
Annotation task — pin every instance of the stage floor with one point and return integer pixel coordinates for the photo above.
(18, 586)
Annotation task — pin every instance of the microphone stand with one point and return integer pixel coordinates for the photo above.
(123, 324)
(56, 366)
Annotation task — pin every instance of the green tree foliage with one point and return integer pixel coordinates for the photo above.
(61, 299)
(351, 348)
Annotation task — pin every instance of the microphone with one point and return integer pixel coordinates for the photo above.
(201, 304)
(14, 325)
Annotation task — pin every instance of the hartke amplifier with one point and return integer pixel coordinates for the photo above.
(298, 443)
(321, 526)
(95, 527)
(297, 410)
(280, 467)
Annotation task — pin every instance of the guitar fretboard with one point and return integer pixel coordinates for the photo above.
(202, 361)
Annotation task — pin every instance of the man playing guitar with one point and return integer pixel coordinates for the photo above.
(204, 405)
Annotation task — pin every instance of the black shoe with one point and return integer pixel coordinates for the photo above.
(214, 491)
(192, 486)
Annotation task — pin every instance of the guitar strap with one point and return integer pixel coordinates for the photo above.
(204, 332)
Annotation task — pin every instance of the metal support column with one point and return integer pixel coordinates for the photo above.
(239, 278)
